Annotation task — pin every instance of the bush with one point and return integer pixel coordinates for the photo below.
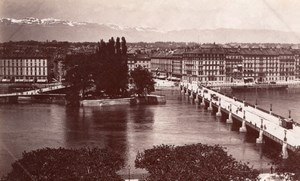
(67, 164)
(289, 167)
(192, 162)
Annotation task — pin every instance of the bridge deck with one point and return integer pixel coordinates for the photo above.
(34, 92)
(253, 117)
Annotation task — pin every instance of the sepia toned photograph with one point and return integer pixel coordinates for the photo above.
(149, 90)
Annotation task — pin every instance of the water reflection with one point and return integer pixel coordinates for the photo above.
(140, 125)
(105, 128)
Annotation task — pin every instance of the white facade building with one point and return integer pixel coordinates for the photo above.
(23, 69)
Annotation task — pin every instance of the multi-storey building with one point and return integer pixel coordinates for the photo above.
(168, 63)
(259, 63)
(267, 65)
(216, 64)
(130, 63)
(24, 69)
(297, 63)
(140, 59)
(233, 65)
(143, 60)
(287, 65)
(204, 65)
(177, 63)
(161, 63)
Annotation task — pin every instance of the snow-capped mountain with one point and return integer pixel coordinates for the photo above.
(36, 21)
(63, 30)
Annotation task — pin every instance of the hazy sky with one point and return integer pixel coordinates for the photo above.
(165, 14)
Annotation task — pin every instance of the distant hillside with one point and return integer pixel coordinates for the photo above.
(62, 30)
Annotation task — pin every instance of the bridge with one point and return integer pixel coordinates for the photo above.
(266, 123)
(41, 92)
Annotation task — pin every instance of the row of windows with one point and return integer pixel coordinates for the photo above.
(25, 77)
(23, 73)
(161, 61)
(203, 62)
(214, 72)
(213, 56)
(204, 55)
(233, 57)
(22, 61)
(197, 58)
(202, 79)
(20, 72)
(31, 66)
(33, 69)
(269, 57)
(213, 78)
(145, 66)
(26, 60)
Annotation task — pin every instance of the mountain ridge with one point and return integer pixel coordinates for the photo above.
(31, 28)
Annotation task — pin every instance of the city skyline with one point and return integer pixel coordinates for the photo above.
(165, 15)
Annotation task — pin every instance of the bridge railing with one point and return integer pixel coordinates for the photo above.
(37, 90)
(266, 115)
(248, 104)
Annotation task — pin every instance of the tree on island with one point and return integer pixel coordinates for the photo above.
(192, 162)
(143, 80)
(80, 71)
(67, 164)
(106, 70)
(112, 75)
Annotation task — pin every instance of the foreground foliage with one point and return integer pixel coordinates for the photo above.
(192, 162)
(67, 164)
(290, 166)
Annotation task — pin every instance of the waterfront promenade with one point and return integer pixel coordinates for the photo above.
(266, 123)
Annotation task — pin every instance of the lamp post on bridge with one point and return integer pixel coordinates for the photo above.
(285, 153)
(259, 140)
(255, 103)
(285, 139)
(129, 172)
(243, 128)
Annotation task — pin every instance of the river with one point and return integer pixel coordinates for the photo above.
(129, 129)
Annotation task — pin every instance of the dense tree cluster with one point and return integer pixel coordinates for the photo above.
(113, 72)
(106, 70)
(192, 162)
(289, 166)
(67, 164)
(143, 80)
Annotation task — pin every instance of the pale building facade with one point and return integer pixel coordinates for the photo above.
(33, 69)
(203, 65)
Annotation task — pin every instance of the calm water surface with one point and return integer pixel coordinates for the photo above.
(131, 129)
